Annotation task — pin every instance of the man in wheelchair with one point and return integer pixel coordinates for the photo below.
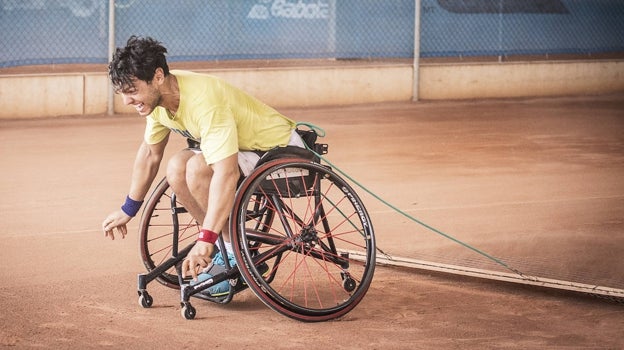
(230, 127)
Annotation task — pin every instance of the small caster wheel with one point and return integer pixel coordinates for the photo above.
(188, 311)
(348, 283)
(145, 300)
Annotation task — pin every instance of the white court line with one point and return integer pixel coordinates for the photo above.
(474, 206)
(604, 291)
(55, 233)
(500, 204)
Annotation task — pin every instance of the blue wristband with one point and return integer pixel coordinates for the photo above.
(131, 207)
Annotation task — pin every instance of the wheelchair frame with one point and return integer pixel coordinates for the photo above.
(293, 225)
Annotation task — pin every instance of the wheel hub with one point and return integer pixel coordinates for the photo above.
(308, 235)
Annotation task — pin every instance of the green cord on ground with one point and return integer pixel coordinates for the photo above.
(321, 133)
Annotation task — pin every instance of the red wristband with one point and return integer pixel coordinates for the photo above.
(207, 236)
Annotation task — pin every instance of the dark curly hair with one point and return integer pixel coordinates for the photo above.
(138, 60)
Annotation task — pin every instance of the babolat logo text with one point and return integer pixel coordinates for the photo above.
(291, 9)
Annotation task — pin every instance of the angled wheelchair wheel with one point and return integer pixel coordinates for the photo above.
(165, 228)
(315, 259)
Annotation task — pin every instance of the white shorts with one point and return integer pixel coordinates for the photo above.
(247, 160)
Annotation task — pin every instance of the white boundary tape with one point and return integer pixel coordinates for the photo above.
(493, 275)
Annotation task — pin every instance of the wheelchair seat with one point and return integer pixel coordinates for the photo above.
(286, 152)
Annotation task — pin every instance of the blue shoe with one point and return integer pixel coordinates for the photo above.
(218, 259)
(216, 267)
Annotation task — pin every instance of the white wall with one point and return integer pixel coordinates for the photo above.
(48, 95)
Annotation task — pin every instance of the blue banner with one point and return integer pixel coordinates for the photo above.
(75, 31)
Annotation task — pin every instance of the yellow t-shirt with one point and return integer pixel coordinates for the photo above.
(221, 117)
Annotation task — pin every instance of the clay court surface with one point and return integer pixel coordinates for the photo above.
(538, 183)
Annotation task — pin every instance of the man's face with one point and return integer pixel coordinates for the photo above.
(143, 96)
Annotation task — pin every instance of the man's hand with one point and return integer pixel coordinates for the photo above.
(197, 259)
(116, 220)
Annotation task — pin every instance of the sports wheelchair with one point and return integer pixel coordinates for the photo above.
(302, 239)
